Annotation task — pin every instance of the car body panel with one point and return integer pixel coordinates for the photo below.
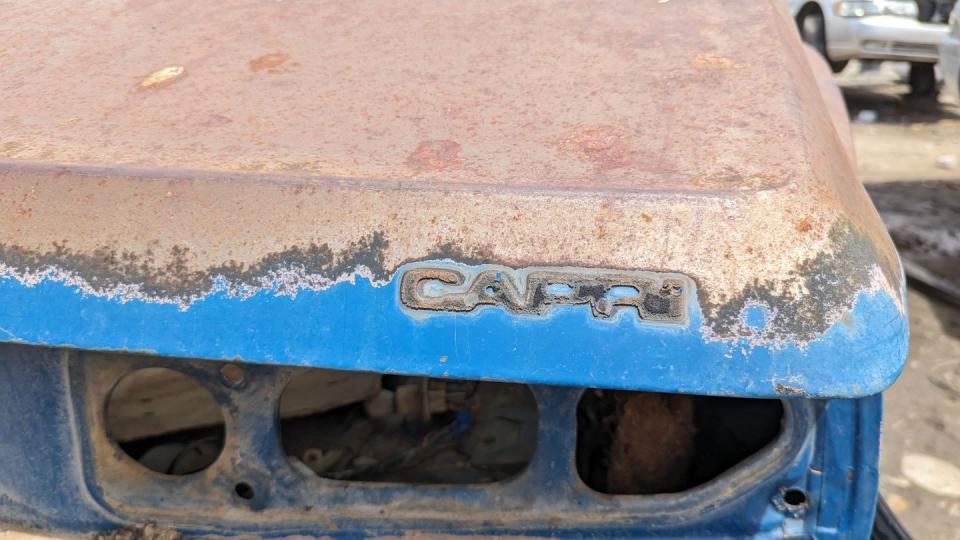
(950, 55)
(408, 188)
(878, 37)
(261, 196)
(894, 38)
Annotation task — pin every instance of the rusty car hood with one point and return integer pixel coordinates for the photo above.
(253, 181)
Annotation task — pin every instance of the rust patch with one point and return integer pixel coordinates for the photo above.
(803, 306)
(787, 390)
(714, 62)
(270, 62)
(435, 155)
(457, 253)
(162, 78)
(110, 272)
(800, 308)
(804, 225)
(606, 147)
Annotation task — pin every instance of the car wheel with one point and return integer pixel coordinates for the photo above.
(813, 31)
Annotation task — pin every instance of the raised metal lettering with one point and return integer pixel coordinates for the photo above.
(535, 290)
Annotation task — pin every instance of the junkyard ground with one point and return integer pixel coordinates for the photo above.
(899, 139)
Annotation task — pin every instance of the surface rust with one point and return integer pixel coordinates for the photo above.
(109, 271)
(615, 95)
(606, 147)
(596, 136)
(816, 294)
(435, 155)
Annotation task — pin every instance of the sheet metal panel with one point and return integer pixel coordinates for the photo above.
(251, 181)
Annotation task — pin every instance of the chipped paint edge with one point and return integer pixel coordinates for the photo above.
(352, 323)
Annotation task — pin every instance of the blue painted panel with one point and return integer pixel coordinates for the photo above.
(50, 482)
(41, 480)
(362, 326)
(849, 449)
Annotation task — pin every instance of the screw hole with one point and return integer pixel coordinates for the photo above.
(491, 290)
(244, 490)
(795, 497)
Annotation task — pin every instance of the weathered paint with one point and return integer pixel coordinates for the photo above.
(362, 325)
(191, 188)
(251, 181)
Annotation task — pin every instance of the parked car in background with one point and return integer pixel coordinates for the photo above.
(950, 54)
(899, 30)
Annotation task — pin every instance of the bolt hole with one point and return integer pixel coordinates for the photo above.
(490, 290)
(232, 374)
(795, 497)
(243, 490)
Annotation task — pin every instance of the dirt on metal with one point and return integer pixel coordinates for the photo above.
(653, 444)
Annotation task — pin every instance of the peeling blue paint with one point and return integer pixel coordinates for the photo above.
(359, 325)
(755, 316)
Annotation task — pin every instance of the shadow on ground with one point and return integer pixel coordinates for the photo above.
(880, 89)
(924, 221)
(893, 105)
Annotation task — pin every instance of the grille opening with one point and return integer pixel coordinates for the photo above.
(644, 443)
(165, 420)
(417, 430)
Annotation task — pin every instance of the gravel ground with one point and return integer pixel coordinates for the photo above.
(903, 143)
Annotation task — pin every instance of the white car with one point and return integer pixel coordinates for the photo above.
(950, 55)
(873, 29)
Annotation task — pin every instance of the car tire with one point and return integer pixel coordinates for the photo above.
(886, 526)
(923, 80)
(813, 31)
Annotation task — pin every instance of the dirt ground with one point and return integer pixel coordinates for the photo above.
(903, 140)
